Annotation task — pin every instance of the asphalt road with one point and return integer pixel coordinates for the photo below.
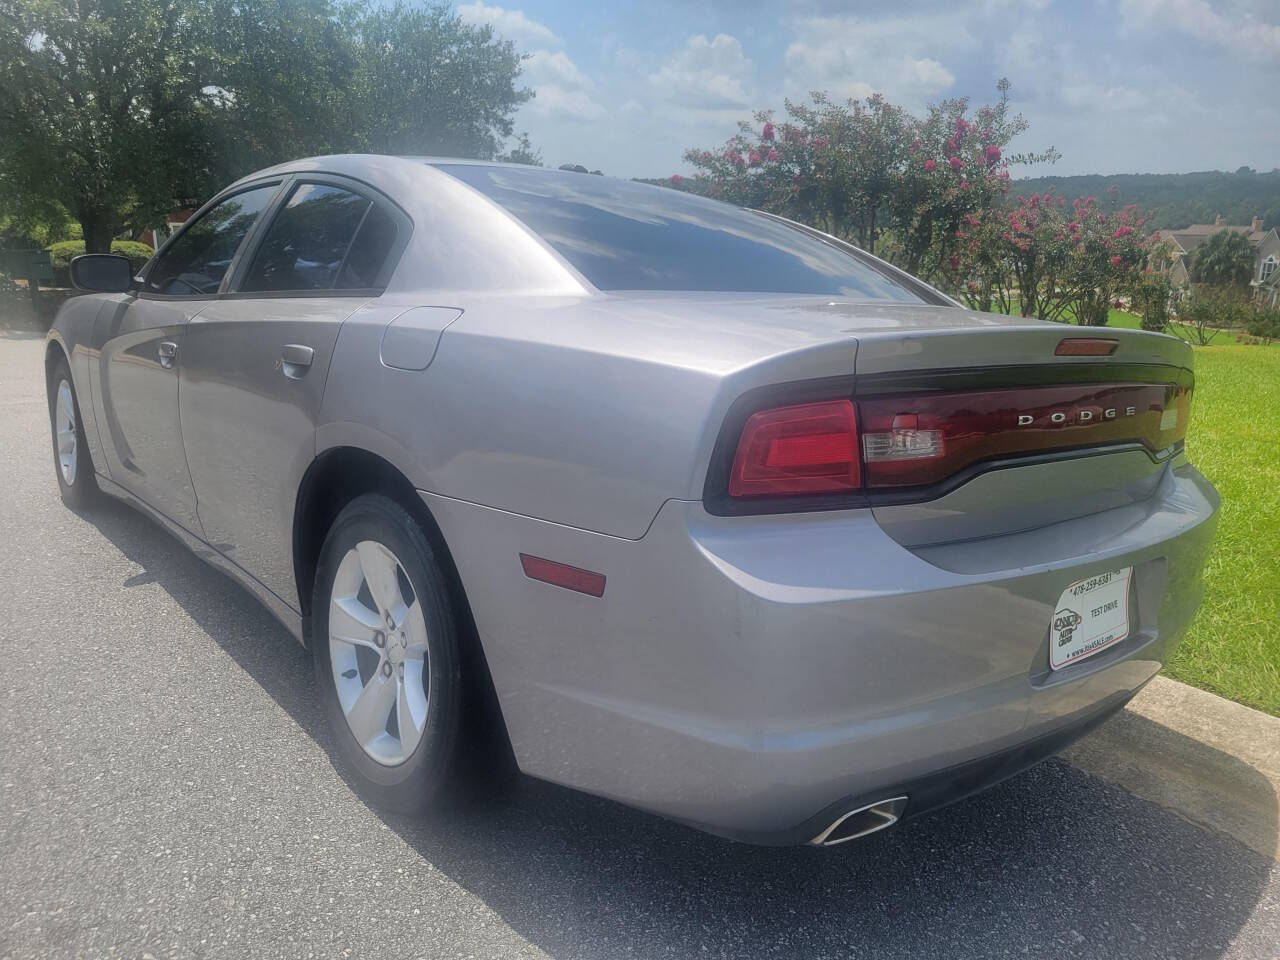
(165, 791)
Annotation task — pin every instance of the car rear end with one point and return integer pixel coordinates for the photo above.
(897, 587)
(980, 545)
(868, 552)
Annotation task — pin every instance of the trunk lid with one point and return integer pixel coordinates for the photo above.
(1025, 437)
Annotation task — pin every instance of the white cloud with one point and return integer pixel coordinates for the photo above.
(1240, 31)
(545, 67)
(509, 24)
(851, 56)
(561, 90)
(706, 74)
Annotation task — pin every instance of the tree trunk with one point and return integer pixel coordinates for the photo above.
(98, 231)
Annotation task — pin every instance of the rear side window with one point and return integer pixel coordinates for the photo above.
(369, 251)
(631, 236)
(197, 260)
(306, 245)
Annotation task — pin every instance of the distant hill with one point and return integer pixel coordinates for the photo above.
(1174, 200)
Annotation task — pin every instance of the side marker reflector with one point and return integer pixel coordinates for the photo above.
(563, 575)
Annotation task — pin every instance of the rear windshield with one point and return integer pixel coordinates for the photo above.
(632, 236)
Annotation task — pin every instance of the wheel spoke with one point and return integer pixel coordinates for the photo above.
(352, 621)
(379, 569)
(411, 707)
(369, 714)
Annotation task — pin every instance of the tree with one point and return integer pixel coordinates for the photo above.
(523, 152)
(426, 82)
(116, 110)
(100, 106)
(1225, 259)
(869, 172)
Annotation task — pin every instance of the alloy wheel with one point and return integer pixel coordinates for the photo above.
(64, 422)
(378, 652)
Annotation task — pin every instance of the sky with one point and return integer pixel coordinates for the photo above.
(1116, 86)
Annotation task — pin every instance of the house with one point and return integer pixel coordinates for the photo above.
(1266, 244)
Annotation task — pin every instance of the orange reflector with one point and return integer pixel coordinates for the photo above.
(563, 575)
(1086, 347)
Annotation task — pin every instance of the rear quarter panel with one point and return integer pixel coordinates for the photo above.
(574, 410)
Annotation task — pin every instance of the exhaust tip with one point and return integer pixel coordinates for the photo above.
(862, 821)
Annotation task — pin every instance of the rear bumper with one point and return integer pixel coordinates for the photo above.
(751, 675)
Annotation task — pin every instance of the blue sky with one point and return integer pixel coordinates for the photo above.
(1117, 86)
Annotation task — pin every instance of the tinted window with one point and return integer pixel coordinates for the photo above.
(632, 236)
(368, 252)
(306, 244)
(198, 259)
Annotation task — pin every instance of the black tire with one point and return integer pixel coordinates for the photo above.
(411, 786)
(81, 491)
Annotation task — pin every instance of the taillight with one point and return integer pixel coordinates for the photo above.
(911, 441)
(891, 443)
(807, 448)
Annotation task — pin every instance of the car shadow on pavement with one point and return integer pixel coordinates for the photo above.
(1051, 863)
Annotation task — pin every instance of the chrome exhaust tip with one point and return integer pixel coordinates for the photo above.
(864, 820)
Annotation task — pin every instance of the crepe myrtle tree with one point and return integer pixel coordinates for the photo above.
(1053, 260)
(869, 172)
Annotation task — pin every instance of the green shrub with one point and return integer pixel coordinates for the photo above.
(1264, 322)
(62, 254)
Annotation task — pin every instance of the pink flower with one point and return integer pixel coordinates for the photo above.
(754, 158)
(1116, 260)
(1112, 189)
(1122, 232)
(954, 261)
(767, 133)
(964, 184)
(992, 154)
(930, 165)
(676, 179)
(951, 146)
(773, 156)
(1102, 218)
(915, 145)
(956, 163)
(1075, 227)
(821, 143)
(962, 126)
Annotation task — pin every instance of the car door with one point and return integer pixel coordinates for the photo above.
(254, 364)
(141, 338)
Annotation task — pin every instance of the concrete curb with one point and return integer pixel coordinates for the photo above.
(1212, 761)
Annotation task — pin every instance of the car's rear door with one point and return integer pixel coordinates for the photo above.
(142, 338)
(254, 364)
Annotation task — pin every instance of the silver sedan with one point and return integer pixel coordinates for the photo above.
(673, 502)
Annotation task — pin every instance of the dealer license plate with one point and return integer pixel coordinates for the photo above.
(1091, 615)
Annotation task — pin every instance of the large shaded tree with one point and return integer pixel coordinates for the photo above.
(100, 106)
(118, 109)
(1225, 259)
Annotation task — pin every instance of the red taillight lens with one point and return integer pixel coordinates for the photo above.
(807, 448)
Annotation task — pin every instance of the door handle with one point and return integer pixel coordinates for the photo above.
(167, 352)
(295, 360)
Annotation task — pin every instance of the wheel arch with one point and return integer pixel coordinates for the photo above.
(54, 351)
(336, 477)
(333, 479)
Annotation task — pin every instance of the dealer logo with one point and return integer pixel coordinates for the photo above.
(1065, 622)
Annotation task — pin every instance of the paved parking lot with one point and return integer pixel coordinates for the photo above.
(165, 791)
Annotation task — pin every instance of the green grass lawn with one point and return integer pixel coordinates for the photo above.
(1233, 648)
